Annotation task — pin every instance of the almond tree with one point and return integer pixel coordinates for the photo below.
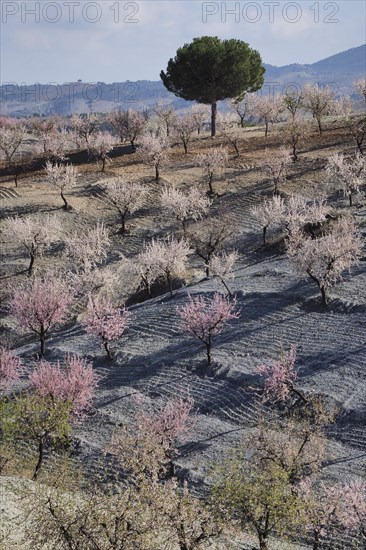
(128, 124)
(243, 107)
(165, 114)
(280, 377)
(74, 384)
(183, 128)
(222, 265)
(158, 430)
(267, 109)
(350, 173)
(88, 248)
(84, 127)
(212, 163)
(204, 318)
(270, 212)
(324, 259)
(293, 102)
(229, 128)
(35, 422)
(100, 144)
(295, 131)
(257, 495)
(171, 258)
(318, 101)
(321, 502)
(41, 305)
(106, 322)
(360, 87)
(356, 126)
(199, 114)
(11, 138)
(53, 145)
(183, 206)
(352, 512)
(275, 166)
(35, 233)
(10, 367)
(211, 238)
(154, 150)
(126, 198)
(63, 177)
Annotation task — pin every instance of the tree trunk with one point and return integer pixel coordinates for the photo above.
(156, 172)
(266, 130)
(106, 347)
(210, 178)
(213, 118)
(66, 206)
(123, 222)
(316, 541)
(208, 351)
(185, 147)
(264, 234)
(103, 164)
(319, 125)
(324, 295)
(40, 459)
(263, 543)
(30, 267)
(42, 339)
(227, 288)
(168, 278)
(350, 198)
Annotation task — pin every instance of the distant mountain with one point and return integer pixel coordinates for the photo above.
(338, 70)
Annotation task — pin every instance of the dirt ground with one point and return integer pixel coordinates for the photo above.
(277, 307)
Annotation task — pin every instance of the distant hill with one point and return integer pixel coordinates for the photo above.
(338, 70)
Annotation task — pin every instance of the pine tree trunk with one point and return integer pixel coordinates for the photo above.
(213, 118)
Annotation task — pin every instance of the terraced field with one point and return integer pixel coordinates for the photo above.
(277, 309)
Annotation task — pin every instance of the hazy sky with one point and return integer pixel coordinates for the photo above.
(111, 41)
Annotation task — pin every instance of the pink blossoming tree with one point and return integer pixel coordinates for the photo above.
(10, 367)
(75, 383)
(41, 304)
(106, 322)
(204, 318)
(280, 377)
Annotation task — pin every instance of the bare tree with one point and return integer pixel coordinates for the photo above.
(166, 115)
(295, 131)
(200, 114)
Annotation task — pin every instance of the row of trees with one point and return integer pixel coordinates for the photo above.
(56, 136)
